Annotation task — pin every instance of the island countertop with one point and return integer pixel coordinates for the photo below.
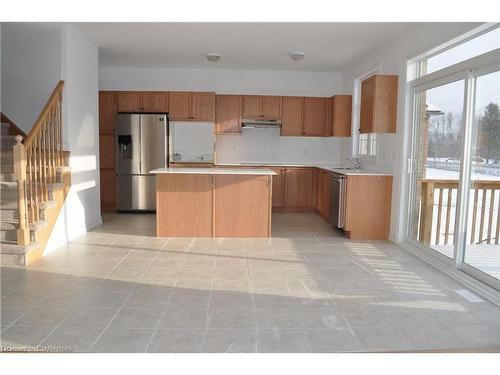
(239, 171)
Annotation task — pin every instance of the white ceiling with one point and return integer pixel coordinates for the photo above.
(328, 46)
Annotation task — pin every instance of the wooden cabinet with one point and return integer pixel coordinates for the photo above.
(340, 112)
(251, 106)
(191, 106)
(256, 106)
(107, 111)
(108, 107)
(299, 187)
(142, 101)
(242, 206)
(271, 107)
(368, 207)
(179, 104)
(154, 101)
(129, 101)
(322, 193)
(293, 116)
(228, 114)
(184, 205)
(315, 116)
(203, 106)
(278, 197)
(379, 94)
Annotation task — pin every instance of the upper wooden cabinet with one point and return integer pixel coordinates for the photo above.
(154, 101)
(203, 106)
(142, 101)
(340, 115)
(191, 106)
(179, 104)
(271, 107)
(293, 116)
(228, 114)
(315, 116)
(379, 95)
(256, 106)
(129, 101)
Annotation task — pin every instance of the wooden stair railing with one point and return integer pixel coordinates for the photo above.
(36, 163)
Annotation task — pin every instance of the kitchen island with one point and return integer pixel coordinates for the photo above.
(213, 202)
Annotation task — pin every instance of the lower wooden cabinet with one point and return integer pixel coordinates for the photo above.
(299, 187)
(278, 187)
(322, 193)
(108, 191)
(241, 206)
(368, 207)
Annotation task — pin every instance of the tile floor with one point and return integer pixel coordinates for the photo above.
(120, 289)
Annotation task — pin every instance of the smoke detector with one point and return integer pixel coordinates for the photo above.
(213, 56)
(296, 56)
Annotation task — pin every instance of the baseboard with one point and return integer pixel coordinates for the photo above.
(468, 281)
(94, 223)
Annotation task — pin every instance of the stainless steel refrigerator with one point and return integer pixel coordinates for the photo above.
(141, 146)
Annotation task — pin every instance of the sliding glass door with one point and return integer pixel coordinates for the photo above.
(455, 170)
(439, 127)
(482, 242)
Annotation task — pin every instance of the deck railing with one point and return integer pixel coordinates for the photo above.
(36, 163)
(438, 209)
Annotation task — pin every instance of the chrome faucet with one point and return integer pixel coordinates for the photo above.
(356, 162)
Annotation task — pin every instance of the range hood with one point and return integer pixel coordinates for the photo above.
(260, 124)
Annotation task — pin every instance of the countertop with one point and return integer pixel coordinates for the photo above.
(331, 168)
(246, 171)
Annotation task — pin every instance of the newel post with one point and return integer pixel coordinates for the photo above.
(426, 212)
(23, 234)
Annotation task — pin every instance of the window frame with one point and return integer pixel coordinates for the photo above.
(467, 70)
(372, 140)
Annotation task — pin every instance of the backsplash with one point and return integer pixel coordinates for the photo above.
(266, 145)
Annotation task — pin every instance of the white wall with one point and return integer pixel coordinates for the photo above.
(31, 69)
(81, 210)
(266, 145)
(222, 81)
(253, 145)
(393, 148)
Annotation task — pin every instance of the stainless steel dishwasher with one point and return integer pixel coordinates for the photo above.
(337, 199)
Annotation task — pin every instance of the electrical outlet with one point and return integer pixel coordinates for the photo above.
(393, 154)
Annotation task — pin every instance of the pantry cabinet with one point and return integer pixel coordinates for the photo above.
(379, 104)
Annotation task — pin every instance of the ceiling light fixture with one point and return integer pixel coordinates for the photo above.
(213, 56)
(296, 56)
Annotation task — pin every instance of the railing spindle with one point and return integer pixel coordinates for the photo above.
(483, 211)
(448, 208)
(440, 206)
(490, 216)
(474, 216)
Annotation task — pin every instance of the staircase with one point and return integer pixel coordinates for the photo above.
(34, 182)
(11, 252)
